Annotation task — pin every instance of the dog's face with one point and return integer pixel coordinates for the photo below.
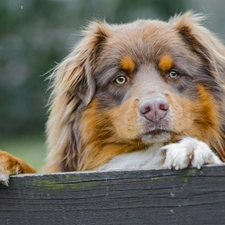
(148, 81)
(126, 87)
(153, 86)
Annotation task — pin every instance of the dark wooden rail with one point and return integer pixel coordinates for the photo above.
(136, 197)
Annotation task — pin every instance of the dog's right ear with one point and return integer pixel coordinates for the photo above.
(72, 85)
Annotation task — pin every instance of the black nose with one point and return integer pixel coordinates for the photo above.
(154, 109)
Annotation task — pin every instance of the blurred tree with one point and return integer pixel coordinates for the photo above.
(36, 34)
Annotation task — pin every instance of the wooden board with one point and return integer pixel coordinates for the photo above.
(134, 197)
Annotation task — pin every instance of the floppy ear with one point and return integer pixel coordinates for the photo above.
(72, 87)
(212, 52)
(202, 41)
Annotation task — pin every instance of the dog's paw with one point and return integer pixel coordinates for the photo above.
(10, 165)
(189, 151)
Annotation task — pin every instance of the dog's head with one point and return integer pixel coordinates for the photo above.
(125, 87)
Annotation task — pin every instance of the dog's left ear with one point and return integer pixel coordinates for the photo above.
(201, 41)
(75, 72)
(73, 87)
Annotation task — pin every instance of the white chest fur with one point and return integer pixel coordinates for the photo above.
(188, 151)
(148, 159)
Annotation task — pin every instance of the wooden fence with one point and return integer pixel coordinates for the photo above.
(135, 197)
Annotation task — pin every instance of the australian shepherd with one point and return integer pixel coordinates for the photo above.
(143, 95)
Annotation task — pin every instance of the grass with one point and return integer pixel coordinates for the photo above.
(30, 148)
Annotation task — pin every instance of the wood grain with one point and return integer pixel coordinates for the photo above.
(162, 197)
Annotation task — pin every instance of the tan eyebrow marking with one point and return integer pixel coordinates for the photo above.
(127, 64)
(165, 62)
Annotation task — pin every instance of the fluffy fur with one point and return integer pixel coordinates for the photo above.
(93, 118)
(143, 95)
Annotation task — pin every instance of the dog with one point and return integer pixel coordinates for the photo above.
(143, 95)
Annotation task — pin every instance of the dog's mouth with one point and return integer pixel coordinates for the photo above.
(156, 135)
(157, 131)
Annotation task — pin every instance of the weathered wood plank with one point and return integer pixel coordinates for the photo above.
(136, 197)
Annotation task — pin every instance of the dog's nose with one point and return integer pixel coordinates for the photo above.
(154, 109)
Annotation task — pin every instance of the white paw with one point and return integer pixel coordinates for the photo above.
(4, 178)
(189, 151)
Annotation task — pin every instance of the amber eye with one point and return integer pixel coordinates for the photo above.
(121, 80)
(174, 74)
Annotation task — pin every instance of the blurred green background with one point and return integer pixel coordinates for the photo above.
(36, 34)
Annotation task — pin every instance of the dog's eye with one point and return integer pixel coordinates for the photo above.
(173, 74)
(121, 80)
